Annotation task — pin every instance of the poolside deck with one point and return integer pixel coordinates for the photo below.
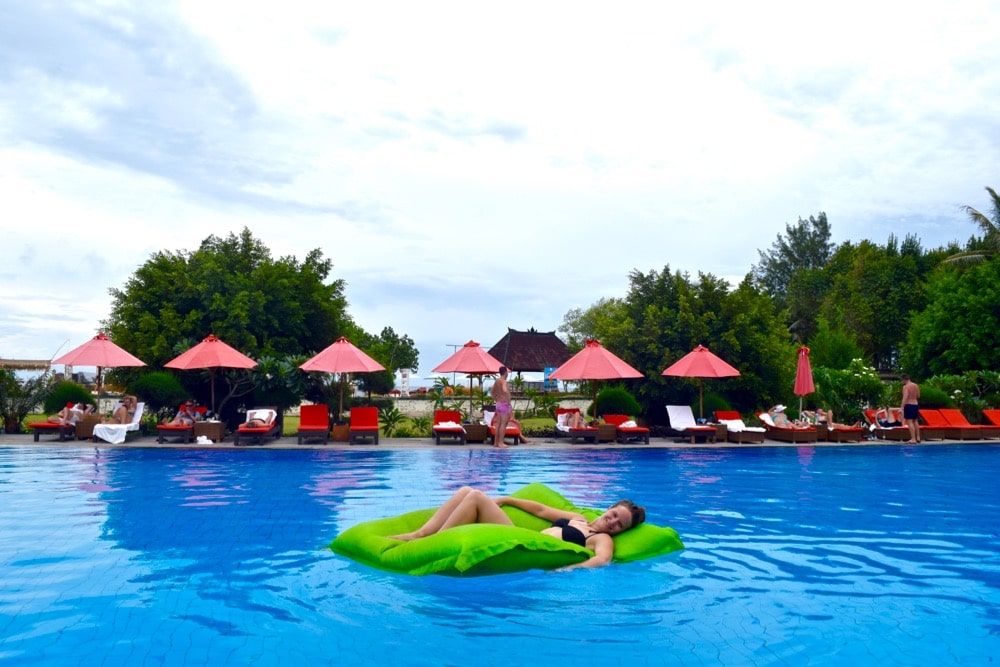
(541, 442)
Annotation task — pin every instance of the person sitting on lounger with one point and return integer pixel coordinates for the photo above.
(261, 418)
(888, 418)
(575, 420)
(186, 416)
(468, 506)
(71, 413)
(125, 411)
(781, 420)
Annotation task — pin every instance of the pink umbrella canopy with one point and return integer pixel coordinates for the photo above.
(700, 363)
(472, 360)
(594, 362)
(99, 351)
(211, 353)
(803, 376)
(342, 357)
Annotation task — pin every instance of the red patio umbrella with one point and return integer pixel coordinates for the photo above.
(342, 357)
(101, 352)
(700, 363)
(472, 360)
(803, 376)
(211, 353)
(594, 362)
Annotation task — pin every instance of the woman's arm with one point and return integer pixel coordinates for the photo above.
(604, 551)
(538, 509)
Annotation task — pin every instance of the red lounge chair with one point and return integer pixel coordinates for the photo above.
(895, 433)
(629, 432)
(64, 431)
(992, 416)
(956, 418)
(314, 422)
(272, 429)
(936, 427)
(742, 434)
(364, 424)
(783, 434)
(183, 431)
(448, 424)
(585, 433)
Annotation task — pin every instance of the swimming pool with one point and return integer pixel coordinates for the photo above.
(854, 555)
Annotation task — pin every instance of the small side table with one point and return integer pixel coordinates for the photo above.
(476, 432)
(607, 433)
(215, 431)
(822, 432)
(721, 432)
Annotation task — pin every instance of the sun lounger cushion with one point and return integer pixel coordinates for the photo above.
(481, 549)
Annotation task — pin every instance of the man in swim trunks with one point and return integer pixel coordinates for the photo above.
(911, 407)
(501, 396)
(468, 506)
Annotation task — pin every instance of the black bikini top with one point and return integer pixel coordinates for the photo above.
(570, 533)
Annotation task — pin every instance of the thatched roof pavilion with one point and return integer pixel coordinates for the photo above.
(530, 351)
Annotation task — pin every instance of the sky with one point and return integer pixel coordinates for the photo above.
(469, 167)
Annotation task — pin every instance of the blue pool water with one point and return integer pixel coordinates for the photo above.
(855, 555)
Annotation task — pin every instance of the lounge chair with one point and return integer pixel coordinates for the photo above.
(956, 418)
(183, 431)
(257, 434)
(314, 422)
(785, 434)
(585, 433)
(895, 433)
(448, 424)
(845, 433)
(364, 424)
(116, 433)
(65, 430)
(936, 427)
(627, 429)
(736, 429)
(682, 420)
(992, 416)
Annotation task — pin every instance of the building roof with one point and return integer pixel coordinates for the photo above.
(530, 350)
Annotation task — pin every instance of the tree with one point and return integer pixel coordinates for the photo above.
(876, 290)
(806, 246)
(393, 351)
(231, 287)
(979, 250)
(957, 331)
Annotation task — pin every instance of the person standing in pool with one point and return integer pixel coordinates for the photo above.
(500, 391)
(468, 506)
(911, 407)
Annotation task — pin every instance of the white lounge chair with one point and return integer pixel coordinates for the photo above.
(115, 433)
(682, 421)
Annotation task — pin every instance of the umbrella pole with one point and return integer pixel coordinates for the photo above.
(211, 383)
(98, 399)
(470, 399)
(701, 397)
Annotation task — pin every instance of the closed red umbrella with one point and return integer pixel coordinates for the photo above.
(700, 363)
(803, 376)
(594, 362)
(472, 360)
(211, 353)
(99, 351)
(342, 357)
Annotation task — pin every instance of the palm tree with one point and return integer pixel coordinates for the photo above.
(990, 225)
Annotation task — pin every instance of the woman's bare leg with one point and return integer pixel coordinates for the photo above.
(466, 506)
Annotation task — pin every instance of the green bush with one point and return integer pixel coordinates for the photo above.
(932, 397)
(713, 402)
(19, 399)
(848, 392)
(422, 426)
(161, 391)
(616, 401)
(64, 392)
